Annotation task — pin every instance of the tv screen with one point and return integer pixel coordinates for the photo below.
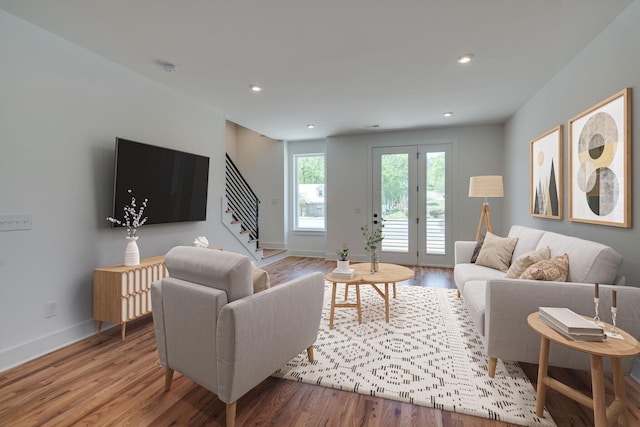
(174, 182)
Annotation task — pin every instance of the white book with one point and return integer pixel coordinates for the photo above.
(569, 322)
(575, 337)
(344, 274)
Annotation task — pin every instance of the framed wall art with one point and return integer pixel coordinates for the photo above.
(546, 175)
(600, 163)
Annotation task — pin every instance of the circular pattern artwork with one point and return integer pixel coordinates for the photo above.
(596, 149)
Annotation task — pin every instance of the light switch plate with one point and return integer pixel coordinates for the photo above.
(15, 222)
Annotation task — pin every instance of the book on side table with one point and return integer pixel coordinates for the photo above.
(338, 274)
(571, 324)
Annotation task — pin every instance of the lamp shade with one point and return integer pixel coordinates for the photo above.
(486, 186)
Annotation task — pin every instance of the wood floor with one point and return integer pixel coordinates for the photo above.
(105, 382)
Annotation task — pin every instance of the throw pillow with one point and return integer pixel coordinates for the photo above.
(496, 252)
(555, 269)
(476, 250)
(525, 261)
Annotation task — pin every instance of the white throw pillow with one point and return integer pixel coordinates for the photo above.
(525, 261)
(496, 252)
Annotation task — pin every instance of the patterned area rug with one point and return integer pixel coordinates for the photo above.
(429, 354)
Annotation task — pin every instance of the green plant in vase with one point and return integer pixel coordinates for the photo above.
(371, 239)
(343, 259)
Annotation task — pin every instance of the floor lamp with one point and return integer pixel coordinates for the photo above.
(485, 186)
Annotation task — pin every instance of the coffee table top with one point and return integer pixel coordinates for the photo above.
(611, 347)
(387, 273)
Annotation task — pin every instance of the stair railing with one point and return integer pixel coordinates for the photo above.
(242, 201)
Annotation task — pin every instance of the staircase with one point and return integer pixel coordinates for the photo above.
(240, 210)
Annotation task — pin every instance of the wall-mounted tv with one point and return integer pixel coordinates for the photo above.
(175, 182)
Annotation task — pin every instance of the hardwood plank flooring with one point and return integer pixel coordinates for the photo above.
(102, 381)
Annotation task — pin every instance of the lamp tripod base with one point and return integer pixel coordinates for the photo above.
(485, 216)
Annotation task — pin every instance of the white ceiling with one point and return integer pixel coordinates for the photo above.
(342, 65)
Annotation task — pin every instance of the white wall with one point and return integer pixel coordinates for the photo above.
(60, 110)
(261, 161)
(478, 150)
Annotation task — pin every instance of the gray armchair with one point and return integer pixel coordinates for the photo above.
(211, 328)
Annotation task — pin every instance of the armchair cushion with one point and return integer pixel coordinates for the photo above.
(226, 271)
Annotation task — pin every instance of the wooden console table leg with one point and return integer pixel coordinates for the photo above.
(597, 388)
(542, 376)
(333, 304)
(394, 290)
(346, 291)
(492, 362)
(123, 328)
(99, 326)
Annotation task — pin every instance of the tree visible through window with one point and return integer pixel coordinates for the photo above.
(309, 191)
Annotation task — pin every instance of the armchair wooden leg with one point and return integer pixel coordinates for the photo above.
(310, 353)
(492, 366)
(168, 377)
(231, 414)
(458, 291)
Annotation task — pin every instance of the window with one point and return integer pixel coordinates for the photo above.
(309, 191)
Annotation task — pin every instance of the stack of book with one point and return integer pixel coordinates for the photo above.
(571, 324)
(339, 274)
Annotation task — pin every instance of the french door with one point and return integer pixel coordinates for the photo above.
(410, 188)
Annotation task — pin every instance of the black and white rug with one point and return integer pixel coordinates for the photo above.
(429, 354)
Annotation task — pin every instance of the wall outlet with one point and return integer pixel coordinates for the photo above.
(51, 309)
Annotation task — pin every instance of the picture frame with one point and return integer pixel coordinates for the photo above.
(600, 163)
(546, 174)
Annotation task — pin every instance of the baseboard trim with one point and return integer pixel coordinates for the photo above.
(25, 352)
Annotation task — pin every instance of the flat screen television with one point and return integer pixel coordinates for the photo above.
(174, 182)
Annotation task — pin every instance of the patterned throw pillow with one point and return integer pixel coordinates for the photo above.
(496, 252)
(525, 261)
(555, 269)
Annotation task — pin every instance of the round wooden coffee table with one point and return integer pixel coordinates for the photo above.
(613, 348)
(387, 274)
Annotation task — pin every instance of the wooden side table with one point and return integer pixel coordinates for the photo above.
(388, 274)
(353, 281)
(613, 348)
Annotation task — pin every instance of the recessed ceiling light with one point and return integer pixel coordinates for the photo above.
(467, 57)
(447, 114)
(255, 88)
(311, 126)
(169, 68)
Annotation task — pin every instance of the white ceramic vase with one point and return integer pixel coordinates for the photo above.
(131, 253)
(343, 266)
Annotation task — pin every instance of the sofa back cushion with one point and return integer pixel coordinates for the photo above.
(528, 239)
(589, 262)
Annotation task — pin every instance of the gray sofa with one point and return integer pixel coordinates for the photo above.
(499, 306)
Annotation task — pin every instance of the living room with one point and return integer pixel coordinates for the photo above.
(62, 106)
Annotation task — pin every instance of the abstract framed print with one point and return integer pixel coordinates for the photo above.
(546, 175)
(600, 163)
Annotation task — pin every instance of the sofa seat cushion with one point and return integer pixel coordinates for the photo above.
(589, 262)
(466, 272)
(475, 301)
